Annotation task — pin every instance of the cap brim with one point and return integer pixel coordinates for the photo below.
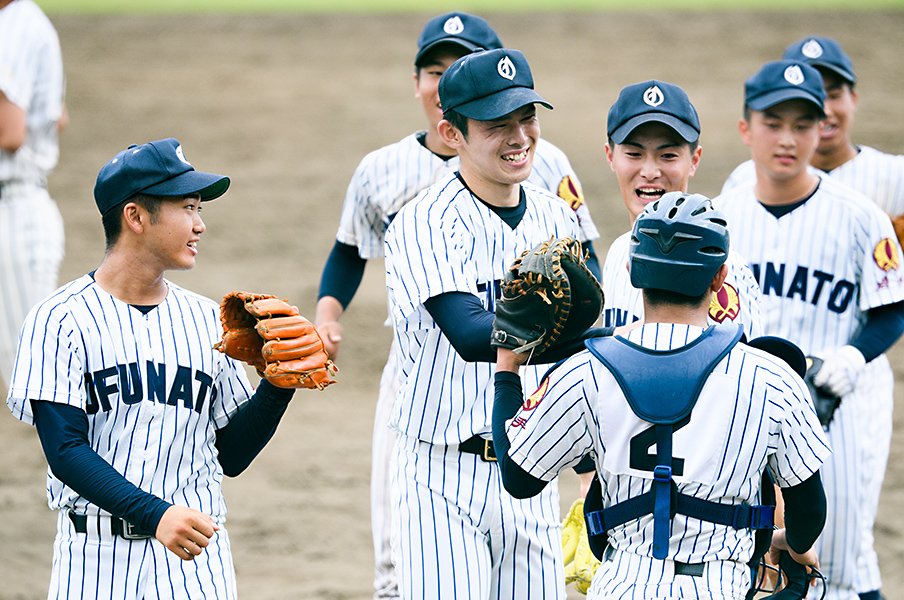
(778, 96)
(501, 103)
(687, 133)
(208, 185)
(840, 71)
(455, 41)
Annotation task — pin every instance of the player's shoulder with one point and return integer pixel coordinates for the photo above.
(618, 249)
(756, 359)
(734, 197)
(546, 150)
(392, 153)
(870, 155)
(184, 295)
(433, 202)
(28, 15)
(855, 201)
(61, 302)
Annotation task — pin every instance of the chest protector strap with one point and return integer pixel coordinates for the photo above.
(662, 387)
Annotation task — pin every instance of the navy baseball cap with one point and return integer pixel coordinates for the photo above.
(156, 168)
(468, 31)
(822, 52)
(652, 101)
(783, 80)
(488, 85)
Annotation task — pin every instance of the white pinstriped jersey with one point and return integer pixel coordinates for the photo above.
(736, 302)
(153, 388)
(447, 240)
(752, 413)
(816, 291)
(388, 178)
(877, 175)
(31, 77)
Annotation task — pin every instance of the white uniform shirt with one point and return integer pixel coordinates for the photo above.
(31, 77)
(821, 266)
(154, 389)
(446, 240)
(753, 412)
(737, 301)
(390, 177)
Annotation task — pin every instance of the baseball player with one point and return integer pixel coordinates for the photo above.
(828, 265)
(879, 177)
(31, 114)
(386, 180)
(653, 148)
(456, 532)
(669, 486)
(138, 415)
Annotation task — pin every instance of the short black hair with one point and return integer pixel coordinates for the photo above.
(112, 219)
(458, 121)
(667, 297)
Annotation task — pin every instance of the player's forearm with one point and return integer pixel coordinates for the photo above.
(805, 513)
(12, 125)
(342, 274)
(507, 401)
(328, 310)
(883, 327)
(251, 428)
(63, 431)
(593, 262)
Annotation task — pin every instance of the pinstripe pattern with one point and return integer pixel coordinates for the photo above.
(854, 476)
(31, 228)
(753, 413)
(384, 181)
(624, 302)
(155, 392)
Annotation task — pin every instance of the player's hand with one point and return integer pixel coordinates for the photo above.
(185, 531)
(780, 542)
(840, 371)
(331, 334)
(507, 360)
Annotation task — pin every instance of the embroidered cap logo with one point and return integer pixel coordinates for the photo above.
(453, 25)
(794, 75)
(811, 49)
(506, 68)
(653, 96)
(180, 155)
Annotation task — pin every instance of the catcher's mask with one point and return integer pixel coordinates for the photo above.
(678, 244)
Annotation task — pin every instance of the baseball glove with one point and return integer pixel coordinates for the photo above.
(825, 402)
(548, 296)
(268, 333)
(580, 563)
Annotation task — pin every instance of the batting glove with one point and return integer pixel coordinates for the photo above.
(840, 371)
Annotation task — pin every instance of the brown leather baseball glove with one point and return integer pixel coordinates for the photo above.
(269, 334)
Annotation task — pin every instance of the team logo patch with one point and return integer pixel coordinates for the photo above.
(570, 192)
(453, 25)
(811, 49)
(724, 304)
(886, 255)
(506, 68)
(533, 401)
(180, 155)
(652, 96)
(794, 75)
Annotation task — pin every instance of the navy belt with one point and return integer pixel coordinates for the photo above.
(482, 447)
(692, 569)
(118, 526)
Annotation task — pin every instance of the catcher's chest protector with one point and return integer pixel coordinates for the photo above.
(661, 388)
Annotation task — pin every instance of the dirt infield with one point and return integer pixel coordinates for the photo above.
(287, 106)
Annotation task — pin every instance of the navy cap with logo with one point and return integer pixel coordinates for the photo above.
(461, 29)
(156, 168)
(488, 85)
(782, 80)
(652, 101)
(824, 53)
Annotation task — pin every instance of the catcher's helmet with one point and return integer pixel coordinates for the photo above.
(678, 244)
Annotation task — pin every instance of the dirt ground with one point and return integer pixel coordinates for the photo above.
(287, 106)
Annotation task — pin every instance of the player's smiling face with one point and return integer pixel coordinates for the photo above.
(426, 80)
(782, 138)
(499, 154)
(653, 160)
(174, 232)
(840, 106)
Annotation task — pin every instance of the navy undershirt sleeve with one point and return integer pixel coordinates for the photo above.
(342, 273)
(63, 431)
(593, 262)
(883, 327)
(805, 513)
(251, 427)
(506, 403)
(468, 326)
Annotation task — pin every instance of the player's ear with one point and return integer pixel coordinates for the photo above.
(719, 279)
(132, 216)
(608, 150)
(450, 134)
(744, 129)
(695, 159)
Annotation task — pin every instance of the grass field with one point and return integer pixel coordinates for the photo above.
(483, 6)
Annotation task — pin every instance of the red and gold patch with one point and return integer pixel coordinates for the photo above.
(724, 304)
(570, 192)
(534, 399)
(886, 255)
